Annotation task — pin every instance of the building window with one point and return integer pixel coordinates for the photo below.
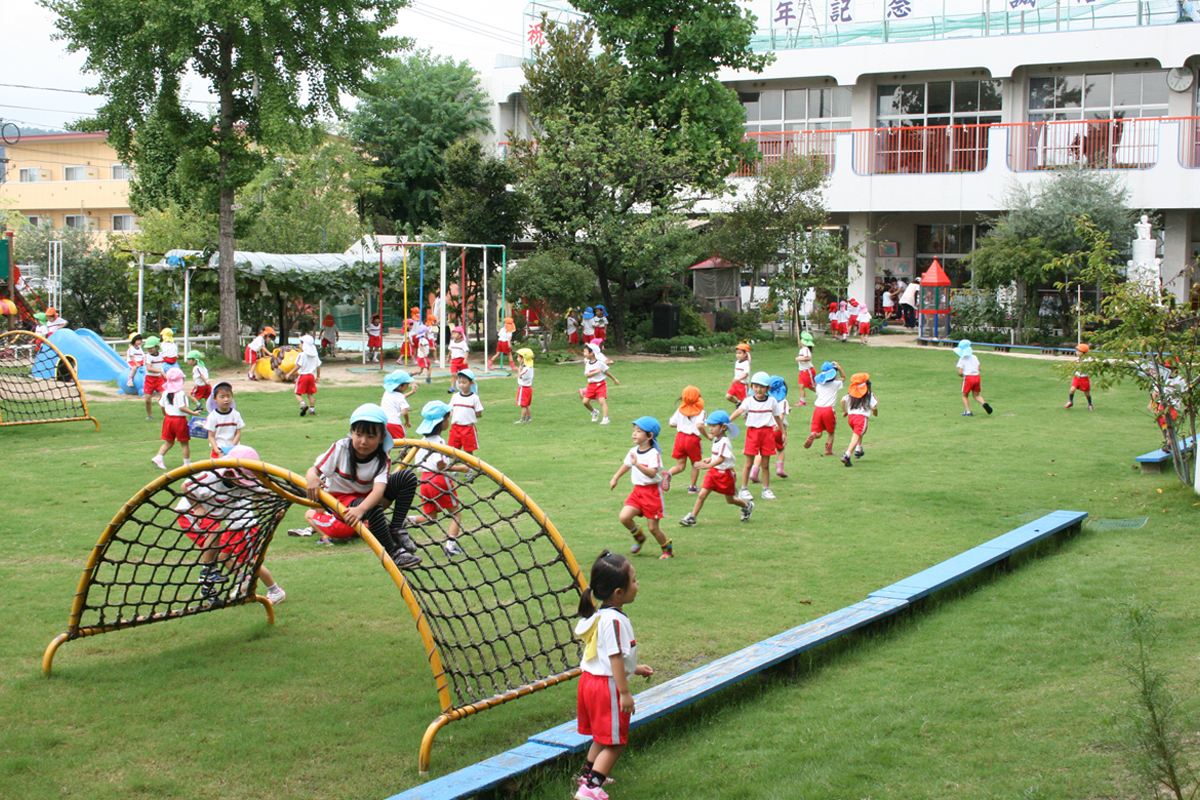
(75, 173)
(1109, 95)
(34, 220)
(948, 244)
(124, 222)
(797, 109)
(33, 175)
(120, 172)
(939, 103)
(76, 221)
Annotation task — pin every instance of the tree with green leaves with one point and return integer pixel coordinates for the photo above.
(275, 68)
(409, 113)
(674, 50)
(551, 283)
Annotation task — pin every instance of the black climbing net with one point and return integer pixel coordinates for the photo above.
(502, 612)
(37, 383)
(192, 541)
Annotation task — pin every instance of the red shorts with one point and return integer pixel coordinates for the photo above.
(457, 365)
(779, 438)
(232, 543)
(422, 362)
(374, 342)
(171, 361)
(970, 384)
(332, 526)
(435, 488)
(600, 335)
(687, 445)
(503, 347)
(864, 329)
(823, 419)
(251, 356)
(760, 442)
(397, 431)
(153, 384)
(857, 423)
(807, 378)
(738, 390)
(202, 392)
(524, 396)
(588, 338)
(573, 338)
(595, 391)
(175, 429)
(306, 384)
(720, 481)
(1082, 383)
(852, 323)
(597, 699)
(464, 437)
(646, 499)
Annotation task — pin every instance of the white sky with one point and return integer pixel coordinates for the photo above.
(473, 30)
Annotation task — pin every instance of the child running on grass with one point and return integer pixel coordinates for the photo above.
(174, 404)
(644, 463)
(525, 384)
(741, 374)
(864, 324)
(688, 421)
(605, 703)
(398, 386)
(356, 470)
(829, 383)
(436, 490)
(154, 380)
(466, 409)
(307, 369)
(720, 477)
(968, 370)
(804, 363)
(201, 390)
(1080, 381)
(595, 370)
(859, 403)
(763, 415)
(224, 424)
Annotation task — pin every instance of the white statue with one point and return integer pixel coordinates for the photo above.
(1143, 227)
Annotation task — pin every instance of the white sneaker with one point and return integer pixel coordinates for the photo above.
(452, 549)
(744, 494)
(596, 415)
(767, 494)
(276, 595)
(604, 421)
(300, 532)
(158, 462)
(688, 520)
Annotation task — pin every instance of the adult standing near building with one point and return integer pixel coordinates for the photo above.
(908, 303)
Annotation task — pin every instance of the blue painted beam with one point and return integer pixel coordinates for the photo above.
(485, 775)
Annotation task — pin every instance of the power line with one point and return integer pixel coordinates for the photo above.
(474, 22)
(51, 110)
(469, 28)
(79, 91)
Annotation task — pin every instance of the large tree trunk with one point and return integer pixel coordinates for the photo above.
(227, 290)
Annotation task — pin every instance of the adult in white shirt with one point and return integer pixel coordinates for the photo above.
(908, 304)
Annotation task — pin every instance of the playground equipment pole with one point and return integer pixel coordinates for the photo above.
(187, 305)
(442, 312)
(404, 308)
(141, 287)
(486, 304)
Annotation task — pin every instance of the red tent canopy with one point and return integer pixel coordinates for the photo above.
(716, 262)
(935, 276)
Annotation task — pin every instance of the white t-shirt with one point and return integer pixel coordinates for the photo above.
(589, 326)
(572, 326)
(308, 365)
(761, 413)
(56, 324)
(614, 635)
(504, 335)
(465, 409)
(200, 375)
(862, 412)
(169, 350)
(329, 333)
(909, 298)
(134, 356)
(651, 459)
(804, 359)
(525, 376)
(601, 322)
(153, 363)
(741, 371)
(343, 476)
(423, 347)
(257, 343)
(374, 329)
(41, 330)
(225, 426)
(394, 404)
(686, 424)
(459, 349)
(207, 496)
(843, 315)
(887, 300)
(863, 315)
(723, 449)
(174, 408)
(431, 460)
(969, 365)
(827, 393)
(595, 371)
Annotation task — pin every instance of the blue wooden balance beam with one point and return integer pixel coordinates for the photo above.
(678, 693)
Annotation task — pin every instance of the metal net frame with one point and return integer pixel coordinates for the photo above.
(496, 620)
(38, 383)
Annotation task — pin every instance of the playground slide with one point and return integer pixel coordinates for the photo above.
(94, 360)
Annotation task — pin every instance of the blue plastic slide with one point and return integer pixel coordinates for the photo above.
(95, 360)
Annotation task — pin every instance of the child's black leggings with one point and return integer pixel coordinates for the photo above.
(401, 489)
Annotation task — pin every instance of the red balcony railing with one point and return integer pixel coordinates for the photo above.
(908, 150)
(1098, 144)
(779, 145)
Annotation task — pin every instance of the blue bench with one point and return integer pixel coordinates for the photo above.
(1152, 463)
(684, 690)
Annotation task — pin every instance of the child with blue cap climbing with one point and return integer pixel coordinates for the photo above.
(644, 463)
(356, 470)
(824, 418)
(968, 370)
(436, 490)
(764, 414)
(398, 386)
(466, 408)
(720, 477)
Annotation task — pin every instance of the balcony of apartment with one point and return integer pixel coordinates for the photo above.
(64, 195)
(970, 166)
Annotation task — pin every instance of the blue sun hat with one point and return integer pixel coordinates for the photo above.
(395, 379)
(602, 310)
(371, 412)
(588, 313)
(777, 388)
(649, 425)
(722, 418)
(432, 413)
(469, 375)
(828, 372)
(963, 349)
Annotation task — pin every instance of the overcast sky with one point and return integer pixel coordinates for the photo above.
(474, 30)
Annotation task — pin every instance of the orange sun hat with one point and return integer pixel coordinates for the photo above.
(858, 384)
(692, 403)
(743, 346)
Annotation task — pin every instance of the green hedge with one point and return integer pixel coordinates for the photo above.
(700, 343)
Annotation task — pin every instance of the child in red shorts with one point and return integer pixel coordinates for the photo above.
(398, 386)
(174, 404)
(806, 379)
(465, 410)
(968, 370)
(829, 383)
(459, 349)
(764, 414)
(720, 477)
(154, 380)
(438, 493)
(609, 661)
(201, 389)
(688, 421)
(307, 369)
(644, 463)
(858, 403)
(741, 374)
(1080, 381)
(525, 384)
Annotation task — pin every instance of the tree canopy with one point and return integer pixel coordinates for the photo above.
(409, 113)
(275, 68)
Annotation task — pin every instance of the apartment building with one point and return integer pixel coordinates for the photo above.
(71, 180)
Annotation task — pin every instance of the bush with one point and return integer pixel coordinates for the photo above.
(690, 321)
(700, 343)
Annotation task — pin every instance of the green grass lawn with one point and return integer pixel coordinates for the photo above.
(1006, 689)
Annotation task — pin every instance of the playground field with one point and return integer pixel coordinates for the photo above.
(1007, 689)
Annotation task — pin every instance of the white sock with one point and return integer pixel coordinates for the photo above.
(187, 462)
